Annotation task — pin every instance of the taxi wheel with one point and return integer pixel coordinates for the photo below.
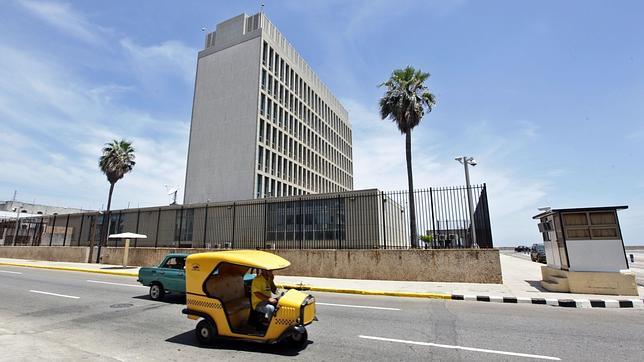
(299, 340)
(205, 332)
(156, 291)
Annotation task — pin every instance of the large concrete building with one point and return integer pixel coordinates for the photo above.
(263, 123)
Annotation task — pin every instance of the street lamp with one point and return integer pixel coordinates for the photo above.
(465, 161)
(15, 234)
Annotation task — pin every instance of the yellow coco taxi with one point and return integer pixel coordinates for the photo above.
(216, 295)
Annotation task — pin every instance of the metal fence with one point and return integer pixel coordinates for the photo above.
(368, 219)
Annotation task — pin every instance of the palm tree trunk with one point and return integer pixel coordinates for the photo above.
(105, 226)
(410, 181)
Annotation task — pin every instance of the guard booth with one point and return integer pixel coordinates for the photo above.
(585, 251)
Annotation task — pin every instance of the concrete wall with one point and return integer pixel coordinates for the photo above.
(462, 265)
(51, 253)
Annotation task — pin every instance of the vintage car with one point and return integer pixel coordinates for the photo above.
(216, 296)
(167, 277)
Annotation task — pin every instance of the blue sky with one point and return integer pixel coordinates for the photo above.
(548, 96)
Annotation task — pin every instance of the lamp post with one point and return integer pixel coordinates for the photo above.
(469, 161)
(15, 234)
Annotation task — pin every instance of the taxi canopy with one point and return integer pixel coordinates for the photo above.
(251, 258)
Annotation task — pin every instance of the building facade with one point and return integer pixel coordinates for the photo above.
(263, 123)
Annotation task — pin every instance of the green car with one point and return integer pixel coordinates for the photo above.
(168, 277)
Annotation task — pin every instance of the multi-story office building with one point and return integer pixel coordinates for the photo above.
(263, 123)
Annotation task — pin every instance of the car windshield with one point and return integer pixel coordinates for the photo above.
(540, 248)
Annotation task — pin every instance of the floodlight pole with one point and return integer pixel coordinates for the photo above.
(470, 203)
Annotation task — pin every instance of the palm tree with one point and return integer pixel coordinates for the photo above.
(116, 161)
(405, 102)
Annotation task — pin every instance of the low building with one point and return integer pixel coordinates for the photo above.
(36, 209)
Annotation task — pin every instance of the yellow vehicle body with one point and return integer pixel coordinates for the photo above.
(215, 293)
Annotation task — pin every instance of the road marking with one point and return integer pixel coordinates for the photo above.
(122, 284)
(54, 294)
(462, 348)
(9, 272)
(355, 306)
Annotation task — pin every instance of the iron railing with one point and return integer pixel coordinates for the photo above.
(368, 219)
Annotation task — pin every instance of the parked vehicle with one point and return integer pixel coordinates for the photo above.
(538, 253)
(168, 277)
(217, 298)
(522, 249)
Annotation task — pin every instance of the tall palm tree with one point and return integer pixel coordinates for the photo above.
(405, 102)
(116, 161)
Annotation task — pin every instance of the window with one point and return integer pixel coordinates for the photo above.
(175, 263)
(595, 225)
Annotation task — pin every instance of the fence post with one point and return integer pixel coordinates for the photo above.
(265, 221)
(80, 231)
(138, 218)
(156, 240)
(232, 242)
(33, 238)
(51, 236)
(180, 225)
(205, 225)
(301, 224)
(431, 202)
(66, 227)
(384, 221)
(337, 227)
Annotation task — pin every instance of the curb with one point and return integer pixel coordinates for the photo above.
(65, 268)
(568, 303)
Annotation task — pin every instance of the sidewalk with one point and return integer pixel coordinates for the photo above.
(521, 285)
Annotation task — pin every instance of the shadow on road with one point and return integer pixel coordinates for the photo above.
(169, 298)
(119, 267)
(189, 339)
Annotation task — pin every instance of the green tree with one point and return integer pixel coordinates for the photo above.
(116, 161)
(405, 102)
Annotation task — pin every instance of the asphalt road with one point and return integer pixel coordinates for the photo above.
(87, 318)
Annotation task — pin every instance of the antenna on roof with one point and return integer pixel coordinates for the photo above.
(261, 7)
(172, 192)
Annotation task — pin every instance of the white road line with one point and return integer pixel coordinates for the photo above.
(122, 284)
(54, 294)
(9, 272)
(355, 306)
(462, 348)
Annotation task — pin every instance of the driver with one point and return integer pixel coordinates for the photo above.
(261, 293)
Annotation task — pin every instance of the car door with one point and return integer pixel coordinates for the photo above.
(172, 275)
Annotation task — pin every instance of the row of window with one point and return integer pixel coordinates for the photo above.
(290, 148)
(270, 111)
(282, 96)
(270, 187)
(284, 168)
(281, 70)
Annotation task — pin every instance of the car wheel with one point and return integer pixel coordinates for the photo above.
(206, 332)
(156, 291)
(298, 340)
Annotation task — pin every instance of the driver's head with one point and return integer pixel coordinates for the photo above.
(267, 273)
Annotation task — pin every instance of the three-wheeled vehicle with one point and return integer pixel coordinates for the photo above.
(216, 296)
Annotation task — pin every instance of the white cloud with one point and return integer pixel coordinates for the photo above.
(170, 57)
(63, 17)
(54, 125)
